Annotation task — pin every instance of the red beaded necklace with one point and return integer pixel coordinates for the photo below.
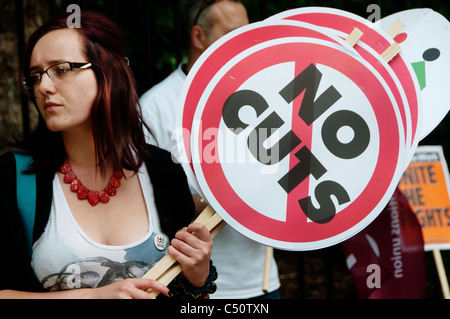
(94, 197)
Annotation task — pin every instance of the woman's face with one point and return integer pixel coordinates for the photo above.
(64, 103)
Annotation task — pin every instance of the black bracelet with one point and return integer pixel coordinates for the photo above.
(183, 289)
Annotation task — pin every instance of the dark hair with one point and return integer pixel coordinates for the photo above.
(117, 123)
(195, 12)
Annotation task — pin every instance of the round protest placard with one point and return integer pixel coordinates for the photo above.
(204, 69)
(426, 46)
(398, 74)
(297, 142)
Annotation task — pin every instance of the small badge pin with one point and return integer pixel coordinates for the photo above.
(160, 242)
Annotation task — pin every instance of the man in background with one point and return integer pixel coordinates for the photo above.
(239, 260)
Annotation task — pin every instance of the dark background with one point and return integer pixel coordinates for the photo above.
(154, 32)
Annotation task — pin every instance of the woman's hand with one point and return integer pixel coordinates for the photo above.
(131, 288)
(192, 248)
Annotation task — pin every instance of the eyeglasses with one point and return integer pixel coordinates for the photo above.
(204, 5)
(55, 72)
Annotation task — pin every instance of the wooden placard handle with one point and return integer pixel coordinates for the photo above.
(441, 272)
(165, 270)
(267, 264)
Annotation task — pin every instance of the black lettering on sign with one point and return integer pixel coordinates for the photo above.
(308, 80)
(286, 144)
(361, 136)
(273, 122)
(326, 210)
(419, 175)
(308, 165)
(235, 102)
(311, 109)
(433, 216)
(414, 195)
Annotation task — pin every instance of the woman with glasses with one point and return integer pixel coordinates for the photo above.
(108, 206)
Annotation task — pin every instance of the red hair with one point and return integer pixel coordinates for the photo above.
(116, 115)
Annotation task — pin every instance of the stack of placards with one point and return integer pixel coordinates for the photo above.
(297, 129)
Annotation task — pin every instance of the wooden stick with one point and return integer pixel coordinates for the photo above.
(395, 29)
(354, 36)
(394, 48)
(441, 273)
(391, 52)
(267, 263)
(167, 268)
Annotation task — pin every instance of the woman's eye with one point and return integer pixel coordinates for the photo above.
(62, 70)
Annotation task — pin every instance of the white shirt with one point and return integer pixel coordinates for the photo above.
(64, 257)
(238, 259)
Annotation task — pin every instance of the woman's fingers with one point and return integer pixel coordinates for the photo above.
(192, 247)
(193, 241)
(201, 231)
(144, 284)
(132, 288)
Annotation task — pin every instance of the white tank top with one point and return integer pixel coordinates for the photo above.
(64, 257)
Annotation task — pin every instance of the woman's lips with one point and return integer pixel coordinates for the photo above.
(51, 105)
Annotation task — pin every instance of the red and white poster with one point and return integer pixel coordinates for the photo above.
(399, 74)
(295, 138)
(426, 185)
(425, 42)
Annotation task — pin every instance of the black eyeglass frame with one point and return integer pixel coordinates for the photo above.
(73, 65)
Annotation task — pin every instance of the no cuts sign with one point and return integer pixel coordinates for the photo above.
(293, 137)
(399, 74)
